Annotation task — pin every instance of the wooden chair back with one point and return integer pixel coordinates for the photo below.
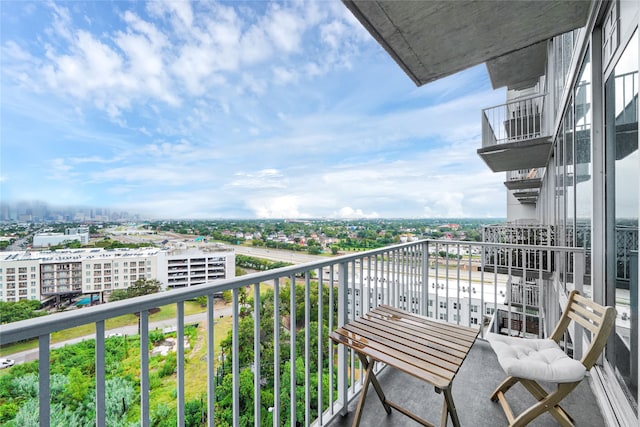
(597, 319)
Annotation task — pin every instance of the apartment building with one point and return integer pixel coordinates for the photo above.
(465, 310)
(72, 272)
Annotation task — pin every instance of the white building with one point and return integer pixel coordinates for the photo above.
(47, 274)
(43, 240)
(178, 268)
(442, 306)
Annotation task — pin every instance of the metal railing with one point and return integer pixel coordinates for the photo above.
(446, 280)
(524, 174)
(514, 121)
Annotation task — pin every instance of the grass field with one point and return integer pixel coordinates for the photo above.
(166, 312)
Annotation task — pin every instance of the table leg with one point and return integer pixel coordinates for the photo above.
(369, 377)
(376, 385)
(451, 408)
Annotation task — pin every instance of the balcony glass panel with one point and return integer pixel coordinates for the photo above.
(621, 126)
(583, 164)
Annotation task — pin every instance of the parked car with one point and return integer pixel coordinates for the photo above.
(6, 363)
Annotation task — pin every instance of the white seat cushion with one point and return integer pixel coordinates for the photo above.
(535, 359)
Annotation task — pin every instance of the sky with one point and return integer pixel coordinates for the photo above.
(240, 109)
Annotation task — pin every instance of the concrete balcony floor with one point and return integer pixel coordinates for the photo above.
(478, 377)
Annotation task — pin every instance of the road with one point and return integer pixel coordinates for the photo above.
(278, 254)
(29, 355)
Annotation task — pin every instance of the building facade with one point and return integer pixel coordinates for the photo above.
(179, 268)
(582, 112)
(66, 273)
(567, 139)
(43, 240)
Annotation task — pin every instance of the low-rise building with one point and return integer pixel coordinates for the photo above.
(70, 272)
(43, 240)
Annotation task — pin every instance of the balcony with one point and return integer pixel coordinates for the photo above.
(514, 135)
(525, 184)
(269, 345)
(472, 387)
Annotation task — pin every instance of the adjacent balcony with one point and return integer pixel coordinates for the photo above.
(279, 322)
(525, 184)
(514, 135)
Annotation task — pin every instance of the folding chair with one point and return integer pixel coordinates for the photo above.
(531, 360)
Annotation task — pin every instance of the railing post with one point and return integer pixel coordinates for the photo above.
(307, 349)
(292, 346)
(180, 367)
(425, 279)
(276, 353)
(256, 354)
(235, 359)
(343, 400)
(211, 357)
(144, 368)
(44, 395)
(578, 279)
(100, 375)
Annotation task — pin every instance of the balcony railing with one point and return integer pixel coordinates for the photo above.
(514, 121)
(515, 135)
(525, 174)
(445, 280)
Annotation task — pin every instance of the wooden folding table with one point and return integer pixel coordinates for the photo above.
(427, 349)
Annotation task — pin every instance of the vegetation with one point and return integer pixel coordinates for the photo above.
(267, 353)
(107, 243)
(312, 235)
(20, 310)
(259, 264)
(139, 288)
(73, 370)
(4, 244)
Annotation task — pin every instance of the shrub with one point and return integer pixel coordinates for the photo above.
(169, 367)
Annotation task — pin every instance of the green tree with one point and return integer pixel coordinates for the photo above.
(20, 310)
(139, 288)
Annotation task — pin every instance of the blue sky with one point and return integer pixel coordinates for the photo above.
(232, 110)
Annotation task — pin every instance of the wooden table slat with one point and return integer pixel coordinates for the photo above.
(461, 332)
(432, 379)
(400, 349)
(437, 342)
(429, 350)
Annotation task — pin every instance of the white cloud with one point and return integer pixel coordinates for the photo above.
(332, 33)
(263, 179)
(60, 170)
(349, 213)
(284, 28)
(284, 76)
(226, 110)
(278, 207)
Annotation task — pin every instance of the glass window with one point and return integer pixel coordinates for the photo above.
(621, 156)
(569, 181)
(583, 167)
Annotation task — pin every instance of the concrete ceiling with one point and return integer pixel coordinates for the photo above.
(520, 69)
(511, 156)
(433, 39)
(523, 184)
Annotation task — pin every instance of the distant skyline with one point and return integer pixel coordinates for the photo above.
(176, 109)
